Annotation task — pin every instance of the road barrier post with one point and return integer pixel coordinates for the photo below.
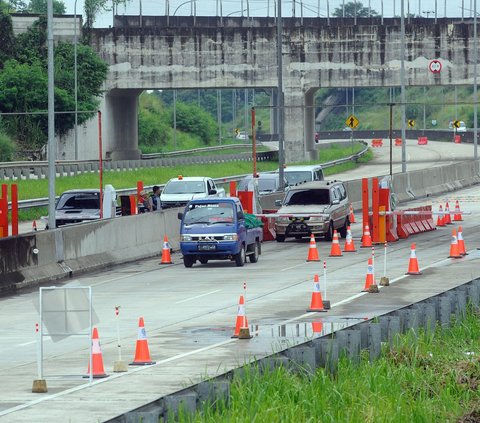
(14, 196)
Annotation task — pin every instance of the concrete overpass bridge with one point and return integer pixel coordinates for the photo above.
(161, 52)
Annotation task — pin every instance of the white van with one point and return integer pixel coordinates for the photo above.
(300, 174)
(462, 127)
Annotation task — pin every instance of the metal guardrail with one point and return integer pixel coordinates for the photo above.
(195, 150)
(42, 202)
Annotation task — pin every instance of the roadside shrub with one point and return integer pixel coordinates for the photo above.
(7, 148)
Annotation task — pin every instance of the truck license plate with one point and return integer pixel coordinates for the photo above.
(207, 247)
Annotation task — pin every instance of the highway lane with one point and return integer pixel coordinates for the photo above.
(186, 310)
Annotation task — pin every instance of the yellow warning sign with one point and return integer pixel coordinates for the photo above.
(352, 122)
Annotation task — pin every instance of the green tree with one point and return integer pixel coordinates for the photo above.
(6, 148)
(353, 9)
(40, 7)
(92, 8)
(7, 40)
(193, 119)
(153, 121)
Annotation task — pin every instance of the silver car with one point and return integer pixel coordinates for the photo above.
(313, 208)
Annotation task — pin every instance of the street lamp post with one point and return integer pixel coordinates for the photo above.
(475, 92)
(402, 82)
(281, 154)
(75, 77)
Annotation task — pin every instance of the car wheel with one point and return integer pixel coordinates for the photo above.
(240, 257)
(203, 261)
(343, 229)
(329, 234)
(256, 253)
(188, 261)
(280, 238)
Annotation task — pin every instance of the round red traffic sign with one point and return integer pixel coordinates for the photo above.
(435, 66)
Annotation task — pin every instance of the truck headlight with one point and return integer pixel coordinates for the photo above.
(230, 237)
(185, 238)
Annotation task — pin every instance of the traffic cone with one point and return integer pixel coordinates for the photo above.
(316, 304)
(454, 250)
(370, 285)
(166, 259)
(461, 242)
(34, 226)
(413, 263)
(242, 321)
(312, 250)
(457, 217)
(448, 218)
(97, 359)
(441, 217)
(349, 246)
(366, 239)
(142, 353)
(335, 251)
(351, 216)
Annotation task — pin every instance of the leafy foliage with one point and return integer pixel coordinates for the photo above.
(7, 40)
(153, 122)
(92, 8)
(40, 7)
(6, 148)
(353, 9)
(191, 118)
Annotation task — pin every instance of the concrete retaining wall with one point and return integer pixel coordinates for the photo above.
(41, 256)
(322, 352)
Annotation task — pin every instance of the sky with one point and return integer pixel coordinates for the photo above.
(449, 8)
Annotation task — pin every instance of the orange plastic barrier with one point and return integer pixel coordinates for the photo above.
(398, 142)
(377, 143)
(422, 140)
(408, 224)
(458, 139)
(269, 233)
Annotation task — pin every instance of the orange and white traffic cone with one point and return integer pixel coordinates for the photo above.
(448, 218)
(413, 263)
(351, 216)
(97, 358)
(369, 279)
(335, 251)
(142, 353)
(316, 304)
(454, 250)
(441, 217)
(461, 242)
(166, 259)
(457, 217)
(34, 226)
(242, 321)
(349, 246)
(312, 250)
(366, 239)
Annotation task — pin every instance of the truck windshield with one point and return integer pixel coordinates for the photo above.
(85, 201)
(298, 177)
(184, 187)
(308, 196)
(209, 213)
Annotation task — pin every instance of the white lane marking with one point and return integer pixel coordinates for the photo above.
(27, 343)
(111, 377)
(293, 267)
(197, 296)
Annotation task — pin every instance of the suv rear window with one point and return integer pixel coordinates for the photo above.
(85, 201)
(308, 196)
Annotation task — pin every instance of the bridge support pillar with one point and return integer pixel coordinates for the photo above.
(121, 123)
(299, 125)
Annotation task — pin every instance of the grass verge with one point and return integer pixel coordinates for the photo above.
(428, 377)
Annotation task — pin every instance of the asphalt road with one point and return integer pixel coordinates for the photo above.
(190, 313)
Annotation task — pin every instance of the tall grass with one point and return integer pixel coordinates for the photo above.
(428, 377)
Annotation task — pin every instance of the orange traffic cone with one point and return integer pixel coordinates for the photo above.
(34, 226)
(413, 263)
(166, 259)
(369, 280)
(317, 327)
(448, 218)
(351, 216)
(457, 217)
(366, 239)
(461, 242)
(316, 304)
(454, 250)
(142, 353)
(349, 246)
(312, 250)
(97, 359)
(335, 250)
(441, 217)
(242, 321)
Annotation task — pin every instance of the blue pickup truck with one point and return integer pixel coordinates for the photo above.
(215, 229)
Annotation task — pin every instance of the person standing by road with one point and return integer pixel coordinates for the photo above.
(145, 201)
(155, 198)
